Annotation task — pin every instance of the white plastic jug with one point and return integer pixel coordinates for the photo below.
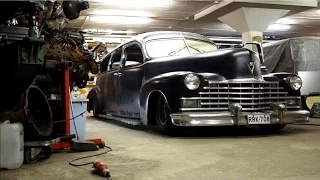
(11, 145)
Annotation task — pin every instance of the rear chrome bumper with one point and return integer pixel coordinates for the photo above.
(235, 117)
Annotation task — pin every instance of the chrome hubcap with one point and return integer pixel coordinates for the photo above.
(163, 110)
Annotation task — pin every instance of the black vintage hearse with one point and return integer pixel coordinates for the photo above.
(173, 79)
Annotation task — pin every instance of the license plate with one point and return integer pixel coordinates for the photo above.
(258, 119)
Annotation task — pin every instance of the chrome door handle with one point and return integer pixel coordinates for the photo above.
(117, 74)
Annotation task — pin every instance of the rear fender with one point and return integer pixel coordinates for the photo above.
(95, 95)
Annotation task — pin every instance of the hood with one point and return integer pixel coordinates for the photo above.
(231, 64)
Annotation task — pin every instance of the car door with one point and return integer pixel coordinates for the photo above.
(102, 79)
(130, 80)
(111, 92)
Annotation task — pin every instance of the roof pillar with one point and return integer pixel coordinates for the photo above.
(253, 17)
(251, 22)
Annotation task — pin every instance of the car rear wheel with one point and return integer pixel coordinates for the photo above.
(272, 127)
(163, 117)
(95, 108)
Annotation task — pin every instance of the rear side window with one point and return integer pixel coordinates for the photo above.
(115, 60)
(133, 56)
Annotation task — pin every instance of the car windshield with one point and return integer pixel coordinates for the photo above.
(176, 47)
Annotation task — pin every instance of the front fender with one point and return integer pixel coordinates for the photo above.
(171, 85)
(282, 79)
(96, 95)
(168, 84)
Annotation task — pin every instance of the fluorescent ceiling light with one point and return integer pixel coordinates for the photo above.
(285, 21)
(139, 3)
(120, 19)
(278, 27)
(121, 32)
(107, 31)
(112, 12)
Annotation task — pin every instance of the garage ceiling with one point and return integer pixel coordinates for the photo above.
(176, 15)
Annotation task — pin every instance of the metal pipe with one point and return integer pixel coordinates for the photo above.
(65, 89)
(52, 64)
(49, 10)
(43, 78)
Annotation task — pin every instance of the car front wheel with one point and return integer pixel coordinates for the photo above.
(163, 117)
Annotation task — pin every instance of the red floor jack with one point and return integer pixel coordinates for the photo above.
(66, 102)
(66, 107)
(33, 149)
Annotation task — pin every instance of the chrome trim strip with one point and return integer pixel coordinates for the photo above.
(248, 88)
(253, 109)
(227, 98)
(214, 103)
(134, 122)
(222, 109)
(203, 109)
(242, 82)
(225, 108)
(293, 107)
(227, 118)
(244, 93)
(225, 103)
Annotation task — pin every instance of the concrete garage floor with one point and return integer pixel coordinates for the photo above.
(206, 153)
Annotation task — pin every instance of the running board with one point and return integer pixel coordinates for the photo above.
(134, 122)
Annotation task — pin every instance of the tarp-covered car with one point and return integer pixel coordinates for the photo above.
(300, 56)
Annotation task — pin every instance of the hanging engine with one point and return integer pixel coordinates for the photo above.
(35, 47)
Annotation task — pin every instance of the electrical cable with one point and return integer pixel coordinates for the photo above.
(74, 123)
(70, 118)
(84, 157)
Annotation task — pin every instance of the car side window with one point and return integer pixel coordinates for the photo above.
(133, 55)
(116, 60)
(104, 64)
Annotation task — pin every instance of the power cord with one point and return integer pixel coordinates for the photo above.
(83, 164)
(71, 118)
(74, 123)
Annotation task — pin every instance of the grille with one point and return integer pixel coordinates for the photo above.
(252, 96)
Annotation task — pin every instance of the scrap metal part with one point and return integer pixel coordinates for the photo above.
(33, 109)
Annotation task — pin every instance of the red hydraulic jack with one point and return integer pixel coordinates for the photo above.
(66, 108)
(33, 149)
